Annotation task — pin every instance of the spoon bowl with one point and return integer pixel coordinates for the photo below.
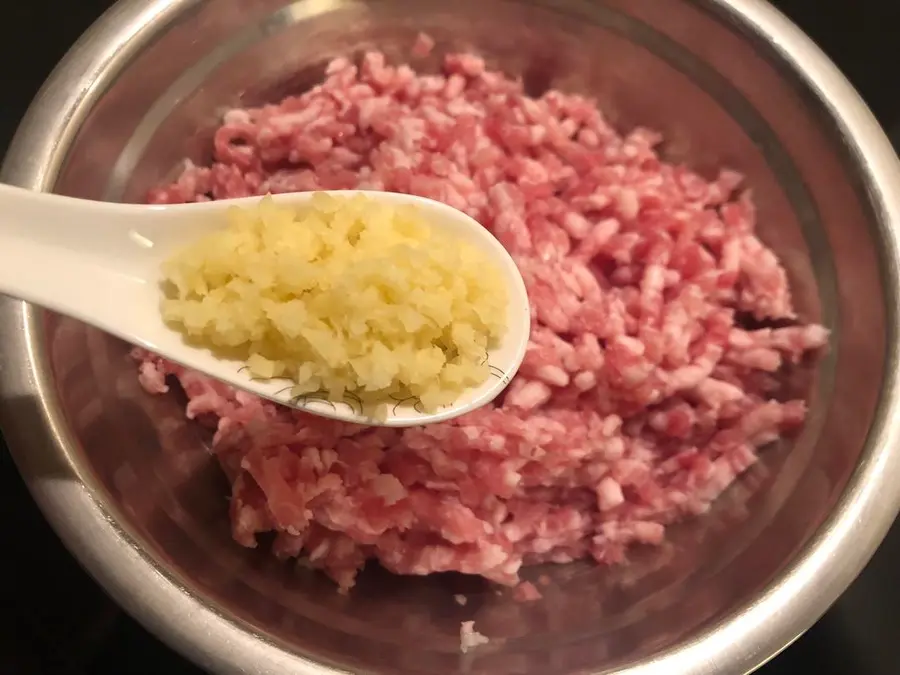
(100, 263)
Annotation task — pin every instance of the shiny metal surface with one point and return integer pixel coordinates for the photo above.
(127, 483)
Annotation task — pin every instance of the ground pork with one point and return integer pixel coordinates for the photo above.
(660, 327)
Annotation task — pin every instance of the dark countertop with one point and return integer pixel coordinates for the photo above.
(56, 621)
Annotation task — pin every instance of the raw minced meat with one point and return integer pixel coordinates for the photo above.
(648, 385)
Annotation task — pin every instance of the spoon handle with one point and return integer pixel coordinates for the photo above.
(65, 254)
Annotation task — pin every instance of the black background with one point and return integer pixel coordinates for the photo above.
(53, 618)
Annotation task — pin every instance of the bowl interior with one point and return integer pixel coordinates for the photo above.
(719, 97)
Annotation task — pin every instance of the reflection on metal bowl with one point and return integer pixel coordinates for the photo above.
(127, 481)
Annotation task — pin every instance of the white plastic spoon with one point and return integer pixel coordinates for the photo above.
(100, 263)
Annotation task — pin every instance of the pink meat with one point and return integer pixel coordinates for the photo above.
(642, 396)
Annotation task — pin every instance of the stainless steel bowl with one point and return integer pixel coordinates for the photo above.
(129, 486)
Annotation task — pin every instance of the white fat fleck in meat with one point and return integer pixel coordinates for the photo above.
(236, 116)
(471, 433)
(530, 395)
(609, 494)
(553, 375)
(469, 638)
(497, 442)
(584, 381)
